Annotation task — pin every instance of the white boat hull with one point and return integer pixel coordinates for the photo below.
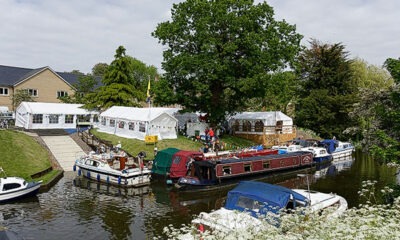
(19, 193)
(128, 180)
(343, 153)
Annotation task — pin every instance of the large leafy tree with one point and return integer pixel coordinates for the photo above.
(374, 83)
(278, 92)
(119, 88)
(328, 89)
(218, 52)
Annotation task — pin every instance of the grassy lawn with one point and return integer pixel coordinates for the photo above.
(21, 155)
(134, 146)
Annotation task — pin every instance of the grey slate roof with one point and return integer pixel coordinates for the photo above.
(10, 76)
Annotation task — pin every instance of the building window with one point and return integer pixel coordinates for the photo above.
(236, 126)
(53, 118)
(32, 92)
(37, 118)
(142, 127)
(69, 118)
(121, 124)
(61, 94)
(3, 91)
(131, 126)
(103, 121)
(246, 126)
(259, 126)
(112, 123)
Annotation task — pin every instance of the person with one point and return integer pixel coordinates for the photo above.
(206, 133)
(118, 146)
(211, 133)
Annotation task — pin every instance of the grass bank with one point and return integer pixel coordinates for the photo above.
(22, 156)
(134, 146)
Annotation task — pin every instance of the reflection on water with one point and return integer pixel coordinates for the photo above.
(76, 208)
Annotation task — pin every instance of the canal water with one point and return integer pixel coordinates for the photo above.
(76, 208)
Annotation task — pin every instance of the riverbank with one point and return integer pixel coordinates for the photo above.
(27, 157)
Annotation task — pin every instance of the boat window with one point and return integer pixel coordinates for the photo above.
(266, 164)
(248, 203)
(247, 167)
(226, 170)
(9, 186)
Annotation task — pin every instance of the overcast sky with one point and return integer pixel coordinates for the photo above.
(71, 35)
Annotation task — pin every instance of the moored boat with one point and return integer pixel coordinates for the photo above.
(12, 188)
(321, 155)
(250, 202)
(208, 173)
(338, 149)
(117, 169)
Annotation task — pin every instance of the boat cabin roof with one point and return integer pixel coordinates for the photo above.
(266, 196)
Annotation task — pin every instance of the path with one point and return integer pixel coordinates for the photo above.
(64, 149)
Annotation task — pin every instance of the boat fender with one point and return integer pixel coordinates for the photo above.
(108, 179)
(74, 168)
(79, 172)
(169, 182)
(88, 174)
(119, 180)
(98, 177)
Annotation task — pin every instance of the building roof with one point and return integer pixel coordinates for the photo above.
(11, 76)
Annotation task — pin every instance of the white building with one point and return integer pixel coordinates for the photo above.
(130, 122)
(39, 115)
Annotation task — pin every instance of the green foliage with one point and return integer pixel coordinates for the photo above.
(21, 95)
(119, 87)
(378, 116)
(327, 89)
(218, 52)
(393, 66)
(86, 84)
(99, 69)
(278, 90)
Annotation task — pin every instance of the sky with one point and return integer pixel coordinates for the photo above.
(71, 35)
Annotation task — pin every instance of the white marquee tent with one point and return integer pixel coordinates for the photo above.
(130, 122)
(39, 115)
(270, 120)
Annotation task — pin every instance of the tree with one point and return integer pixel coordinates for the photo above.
(393, 66)
(99, 69)
(119, 87)
(21, 95)
(278, 92)
(373, 83)
(219, 51)
(328, 90)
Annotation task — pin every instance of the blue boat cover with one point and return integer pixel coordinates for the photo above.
(263, 197)
(329, 144)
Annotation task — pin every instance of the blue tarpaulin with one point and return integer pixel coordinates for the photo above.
(266, 197)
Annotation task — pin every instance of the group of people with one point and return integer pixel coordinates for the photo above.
(211, 141)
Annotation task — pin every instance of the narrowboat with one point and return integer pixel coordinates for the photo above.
(202, 174)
